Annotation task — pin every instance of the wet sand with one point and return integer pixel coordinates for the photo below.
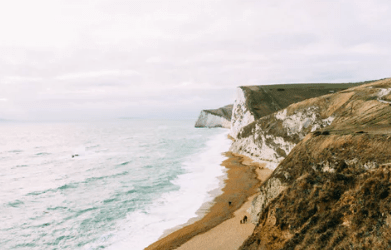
(220, 226)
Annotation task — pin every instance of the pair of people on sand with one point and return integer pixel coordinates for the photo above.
(244, 220)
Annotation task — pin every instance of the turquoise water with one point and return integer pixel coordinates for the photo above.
(130, 181)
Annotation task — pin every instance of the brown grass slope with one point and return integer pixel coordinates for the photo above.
(337, 180)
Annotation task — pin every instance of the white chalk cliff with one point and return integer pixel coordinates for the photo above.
(277, 125)
(213, 118)
(241, 113)
(271, 138)
(268, 122)
(327, 150)
(255, 102)
(330, 148)
(209, 120)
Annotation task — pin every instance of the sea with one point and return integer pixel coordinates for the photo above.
(114, 185)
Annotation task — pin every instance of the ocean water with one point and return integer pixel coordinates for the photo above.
(131, 181)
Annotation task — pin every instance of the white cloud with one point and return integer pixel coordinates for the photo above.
(15, 79)
(97, 74)
(368, 48)
(119, 56)
(154, 59)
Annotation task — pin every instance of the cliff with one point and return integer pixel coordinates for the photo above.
(254, 102)
(332, 154)
(215, 118)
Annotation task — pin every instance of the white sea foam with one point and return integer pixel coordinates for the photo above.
(131, 182)
(203, 175)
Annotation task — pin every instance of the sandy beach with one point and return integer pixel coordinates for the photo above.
(220, 228)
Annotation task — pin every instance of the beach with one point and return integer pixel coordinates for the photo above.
(220, 226)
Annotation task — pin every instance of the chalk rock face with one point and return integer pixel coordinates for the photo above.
(255, 102)
(209, 120)
(215, 118)
(241, 113)
(272, 188)
(271, 138)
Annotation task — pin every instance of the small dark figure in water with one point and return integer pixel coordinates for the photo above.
(229, 203)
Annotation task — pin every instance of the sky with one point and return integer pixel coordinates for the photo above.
(105, 59)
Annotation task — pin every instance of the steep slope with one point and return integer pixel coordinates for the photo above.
(333, 194)
(254, 102)
(272, 137)
(215, 118)
(331, 188)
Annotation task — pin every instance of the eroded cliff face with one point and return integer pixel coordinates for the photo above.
(215, 118)
(271, 138)
(241, 113)
(255, 102)
(331, 187)
(209, 120)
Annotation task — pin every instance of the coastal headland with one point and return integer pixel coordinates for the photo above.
(328, 178)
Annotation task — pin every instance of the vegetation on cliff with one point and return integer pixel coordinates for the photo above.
(336, 196)
(267, 99)
(331, 191)
(255, 102)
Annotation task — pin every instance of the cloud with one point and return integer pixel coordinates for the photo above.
(96, 74)
(111, 58)
(15, 79)
(154, 59)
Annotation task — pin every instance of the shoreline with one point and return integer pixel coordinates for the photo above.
(202, 210)
(241, 185)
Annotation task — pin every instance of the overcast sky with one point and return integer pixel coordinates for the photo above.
(79, 59)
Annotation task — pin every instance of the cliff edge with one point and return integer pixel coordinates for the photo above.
(331, 185)
(255, 102)
(212, 118)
